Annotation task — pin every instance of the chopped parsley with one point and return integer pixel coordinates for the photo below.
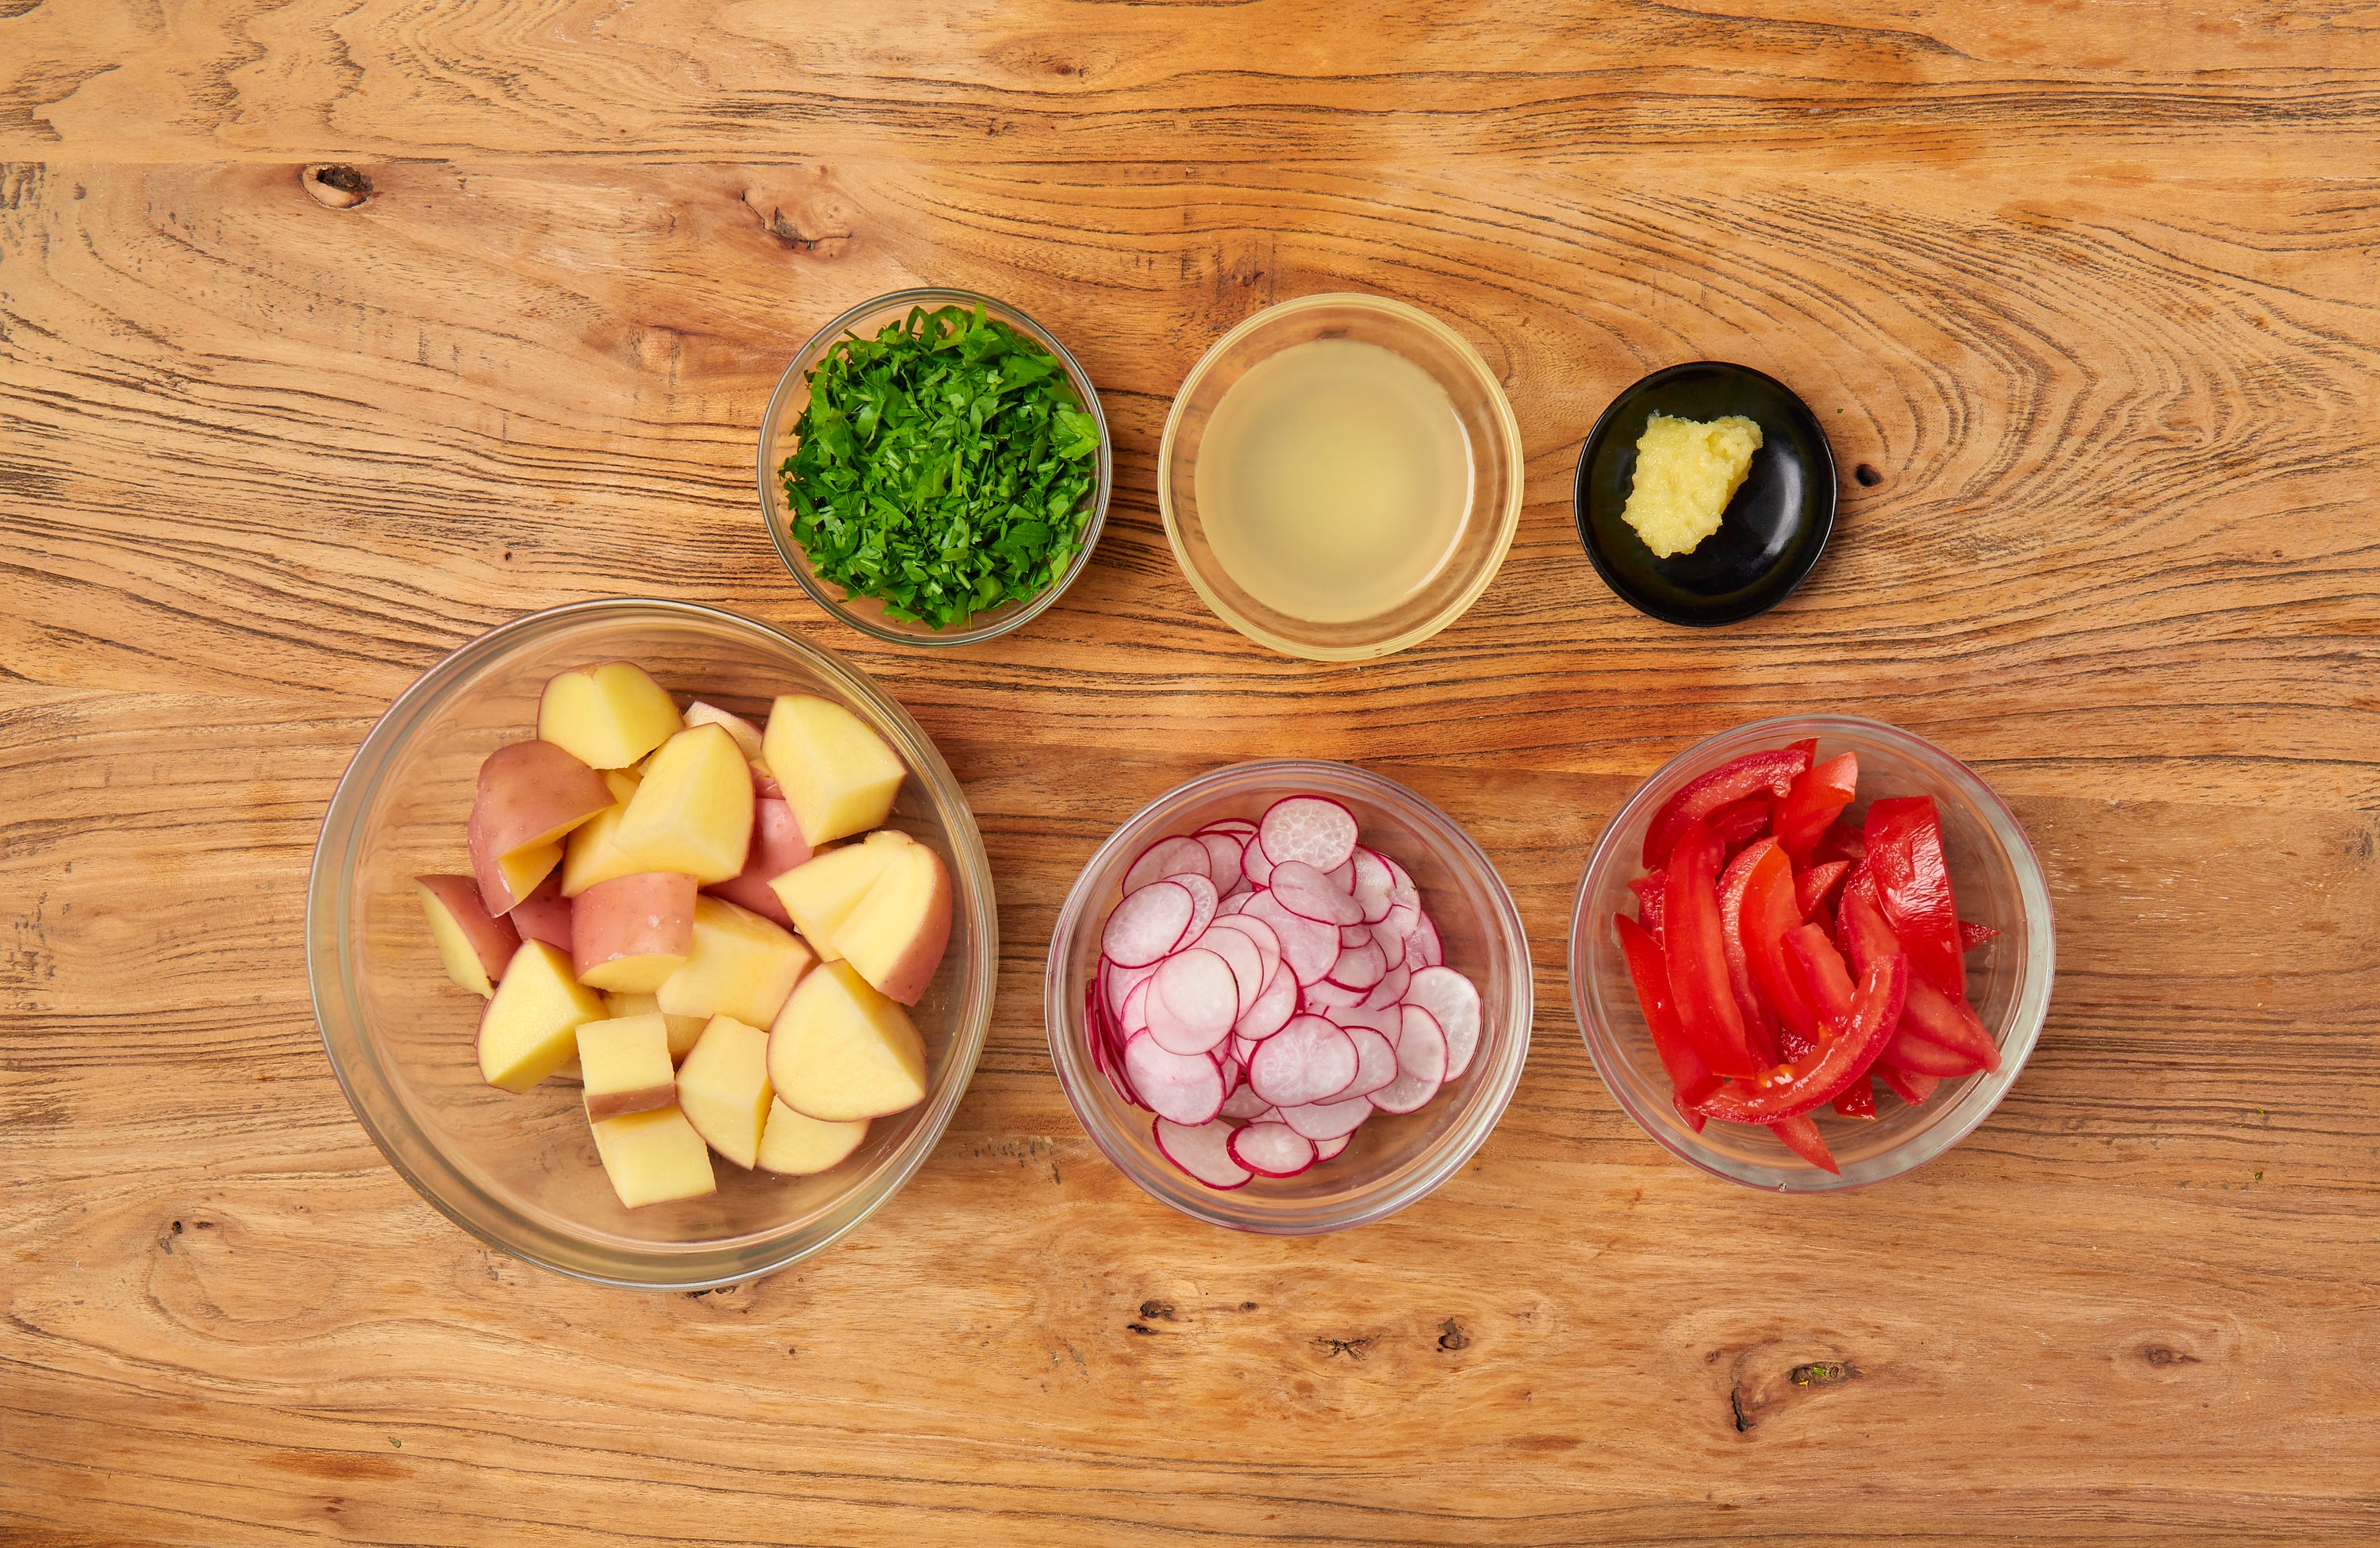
(944, 466)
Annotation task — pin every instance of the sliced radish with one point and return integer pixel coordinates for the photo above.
(1308, 947)
(1255, 864)
(1328, 1150)
(1323, 994)
(1168, 857)
(1373, 882)
(1268, 944)
(1271, 1149)
(1342, 876)
(1421, 1065)
(1309, 1060)
(1192, 1001)
(1453, 1000)
(1122, 982)
(1187, 1088)
(1393, 931)
(1272, 1008)
(1134, 1018)
(1231, 903)
(1204, 901)
(1328, 1120)
(1238, 827)
(1204, 1151)
(1390, 990)
(1239, 951)
(1309, 828)
(1245, 1104)
(1387, 1021)
(1376, 1066)
(1360, 968)
(1310, 895)
(1422, 947)
(1150, 924)
(1222, 857)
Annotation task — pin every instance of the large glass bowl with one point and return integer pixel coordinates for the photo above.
(1996, 880)
(1393, 1159)
(778, 441)
(520, 1171)
(1487, 423)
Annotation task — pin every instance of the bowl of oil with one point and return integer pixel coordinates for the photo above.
(1341, 477)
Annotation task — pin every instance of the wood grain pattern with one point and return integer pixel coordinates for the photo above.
(2092, 289)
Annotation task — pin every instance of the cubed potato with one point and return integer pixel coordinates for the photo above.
(530, 796)
(530, 1028)
(474, 943)
(544, 914)
(683, 1029)
(606, 716)
(797, 1145)
(594, 853)
(629, 933)
(747, 735)
(694, 811)
(777, 847)
(839, 775)
(623, 784)
(895, 936)
(820, 893)
(740, 965)
(653, 1158)
(624, 1065)
(840, 1051)
(724, 1088)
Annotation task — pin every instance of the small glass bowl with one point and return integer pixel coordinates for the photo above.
(520, 1171)
(778, 442)
(1393, 1159)
(1496, 471)
(1997, 881)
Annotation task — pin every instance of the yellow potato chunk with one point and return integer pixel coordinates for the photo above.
(693, 813)
(794, 1145)
(838, 775)
(1686, 472)
(683, 1029)
(822, 891)
(740, 965)
(840, 1051)
(653, 1157)
(723, 1088)
(606, 716)
(530, 1028)
(624, 1065)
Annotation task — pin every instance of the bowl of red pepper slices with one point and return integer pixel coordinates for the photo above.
(1812, 952)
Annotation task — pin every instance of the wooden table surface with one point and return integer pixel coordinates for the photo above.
(2087, 299)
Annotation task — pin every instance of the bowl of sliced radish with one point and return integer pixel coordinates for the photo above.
(1289, 997)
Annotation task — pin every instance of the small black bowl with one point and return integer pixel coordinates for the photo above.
(1774, 529)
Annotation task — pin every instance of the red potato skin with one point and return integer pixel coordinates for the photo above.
(648, 914)
(914, 969)
(544, 915)
(777, 847)
(528, 791)
(493, 940)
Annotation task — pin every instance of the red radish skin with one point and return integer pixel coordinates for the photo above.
(1256, 866)
(1167, 856)
(1328, 1120)
(1373, 883)
(1453, 1002)
(1273, 1008)
(1421, 1065)
(1271, 1149)
(1354, 935)
(1388, 1021)
(1192, 1001)
(1149, 923)
(1390, 990)
(1186, 1090)
(1309, 1060)
(1326, 995)
(1330, 1150)
(1204, 1151)
(1313, 829)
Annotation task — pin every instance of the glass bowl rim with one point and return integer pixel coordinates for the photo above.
(329, 925)
(792, 381)
(2029, 1012)
(1500, 409)
(1453, 1150)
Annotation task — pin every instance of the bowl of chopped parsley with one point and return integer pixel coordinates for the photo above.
(934, 467)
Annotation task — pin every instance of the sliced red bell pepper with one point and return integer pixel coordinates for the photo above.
(1858, 1101)
(1695, 949)
(1772, 771)
(1840, 842)
(1742, 822)
(1802, 1136)
(1810, 886)
(1648, 901)
(1932, 1015)
(1843, 1057)
(1971, 934)
(1765, 912)
(1912, 879)
(1759, 1025)
(1824, 977)
(1908, 1085)
(1689, 1077)
(1811, 804)
(1924, 1056)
